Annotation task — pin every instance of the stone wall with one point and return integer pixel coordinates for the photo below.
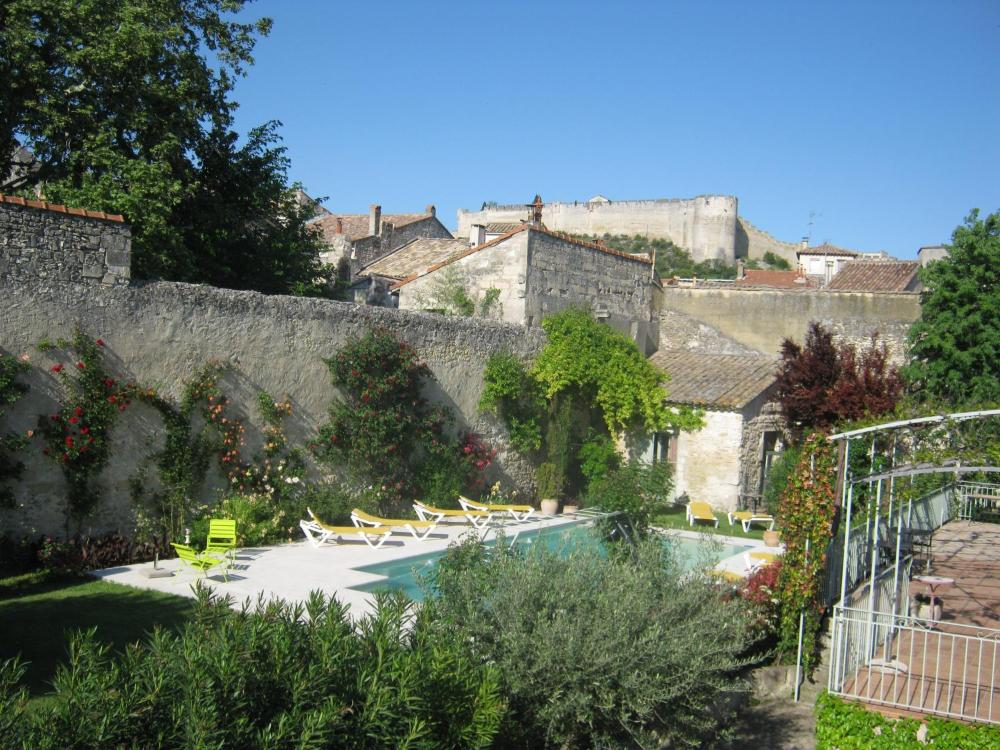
(708, 461)
(681, 331)
(160, 333)
(762, 318)
(754, 243)
(620, 290)
(705, 225)
(39, 240)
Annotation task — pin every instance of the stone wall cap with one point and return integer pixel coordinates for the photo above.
(59, 208)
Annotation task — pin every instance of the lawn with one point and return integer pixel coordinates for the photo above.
(37, 610)
(674, 518)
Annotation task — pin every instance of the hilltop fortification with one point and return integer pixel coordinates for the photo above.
(707, 226)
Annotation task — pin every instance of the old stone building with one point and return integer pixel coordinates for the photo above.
(537, 272)
(361, 239)
(725, 462)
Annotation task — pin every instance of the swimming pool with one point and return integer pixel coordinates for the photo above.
(404, 574)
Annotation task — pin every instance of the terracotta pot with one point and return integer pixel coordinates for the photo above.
(568, 508)
(929, 612)
(772, 538)
(550, 507)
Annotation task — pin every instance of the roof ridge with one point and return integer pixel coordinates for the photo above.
(60, 208)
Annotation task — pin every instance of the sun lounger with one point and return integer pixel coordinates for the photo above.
(747, 517)
(518, 512)
(478, 518)
(318, 533)
(419, 529)
(755, 560)
(698, 511)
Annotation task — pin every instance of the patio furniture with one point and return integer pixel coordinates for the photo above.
(222, 537)
(319, 533)
(758, 559)
(478, 518)
(747, 517)
(933, 583)
(518, 512)
(203, 561)
(419, 529)
(699, 511)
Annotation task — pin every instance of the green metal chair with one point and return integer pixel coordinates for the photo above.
(222, 537)
(203, 561)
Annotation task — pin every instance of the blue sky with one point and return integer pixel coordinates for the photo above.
(881, 118)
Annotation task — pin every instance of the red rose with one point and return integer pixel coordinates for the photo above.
(56, 368)
(74, 420)
(69, 442)
(80, 366)
(78, 411)
(84, 430)
(99, 342)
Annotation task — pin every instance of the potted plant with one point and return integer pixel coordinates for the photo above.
(923, 608)
(549, 481)
(571, 506)
(772, 538)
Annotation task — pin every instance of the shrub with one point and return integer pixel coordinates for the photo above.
(777, 478)
(82, 553)
(639, 490)
(595, 650)
(281, 676)
(11, 389)
(847, 726)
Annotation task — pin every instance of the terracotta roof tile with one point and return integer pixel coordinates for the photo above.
(877, 276)
(827, 249)
(719, 381)
(778, 279)
(59, 208)
(521, 228)
(414, 256)
(356, 225)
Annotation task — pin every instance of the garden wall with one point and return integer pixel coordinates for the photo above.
(158, 334)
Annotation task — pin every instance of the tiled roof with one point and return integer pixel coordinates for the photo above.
(778, 279)
(503, 227)
(876, 276)
(413, 257)
(719, 381)
(521, 228)
(59, 208)
(827, 249)
(356, 225)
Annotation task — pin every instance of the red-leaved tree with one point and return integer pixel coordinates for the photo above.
(823, 383)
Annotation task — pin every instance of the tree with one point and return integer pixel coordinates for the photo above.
(955, 344)
(121, 110)
(822, 383)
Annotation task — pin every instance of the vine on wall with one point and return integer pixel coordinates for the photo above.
(77, 435)
(11, 389)
(806, 511)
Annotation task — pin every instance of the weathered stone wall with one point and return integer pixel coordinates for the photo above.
(757, 421)
(681, 331)
(708, 461)
(40, 243)
(620, 290)
(762, 319)
(705, 226)
(754, 243)
(502, 266)
(160, 333)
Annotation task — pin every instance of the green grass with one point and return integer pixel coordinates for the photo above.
(674, 518)
(37, 611)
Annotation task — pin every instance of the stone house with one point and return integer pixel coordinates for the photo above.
(877, 276)
(823, 261)
(374, 282)
(537, 272)
(361, 239)
(726, 461)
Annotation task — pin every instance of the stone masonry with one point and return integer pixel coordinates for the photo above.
(48, 241)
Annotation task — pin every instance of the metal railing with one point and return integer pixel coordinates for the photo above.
(918, 664)
(977, 498)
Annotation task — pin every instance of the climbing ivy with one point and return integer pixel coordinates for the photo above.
(11, 389)
(806, 511)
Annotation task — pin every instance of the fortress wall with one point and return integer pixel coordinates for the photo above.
(705, 225)
(762, 319)
(753, 243)
(159, 334)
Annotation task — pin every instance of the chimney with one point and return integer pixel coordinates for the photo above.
(804, 244)
(374, 219)
(431, 210)
(741, 269)
(340, 225)
(477, 235)
(536, 211)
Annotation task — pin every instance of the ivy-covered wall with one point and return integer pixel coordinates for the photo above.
(159, 334)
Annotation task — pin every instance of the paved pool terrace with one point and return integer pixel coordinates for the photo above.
(292, 571)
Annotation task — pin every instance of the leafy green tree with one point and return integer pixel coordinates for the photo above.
(123, 111)
(955, 345)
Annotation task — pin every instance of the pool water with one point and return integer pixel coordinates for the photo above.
(404, 574)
